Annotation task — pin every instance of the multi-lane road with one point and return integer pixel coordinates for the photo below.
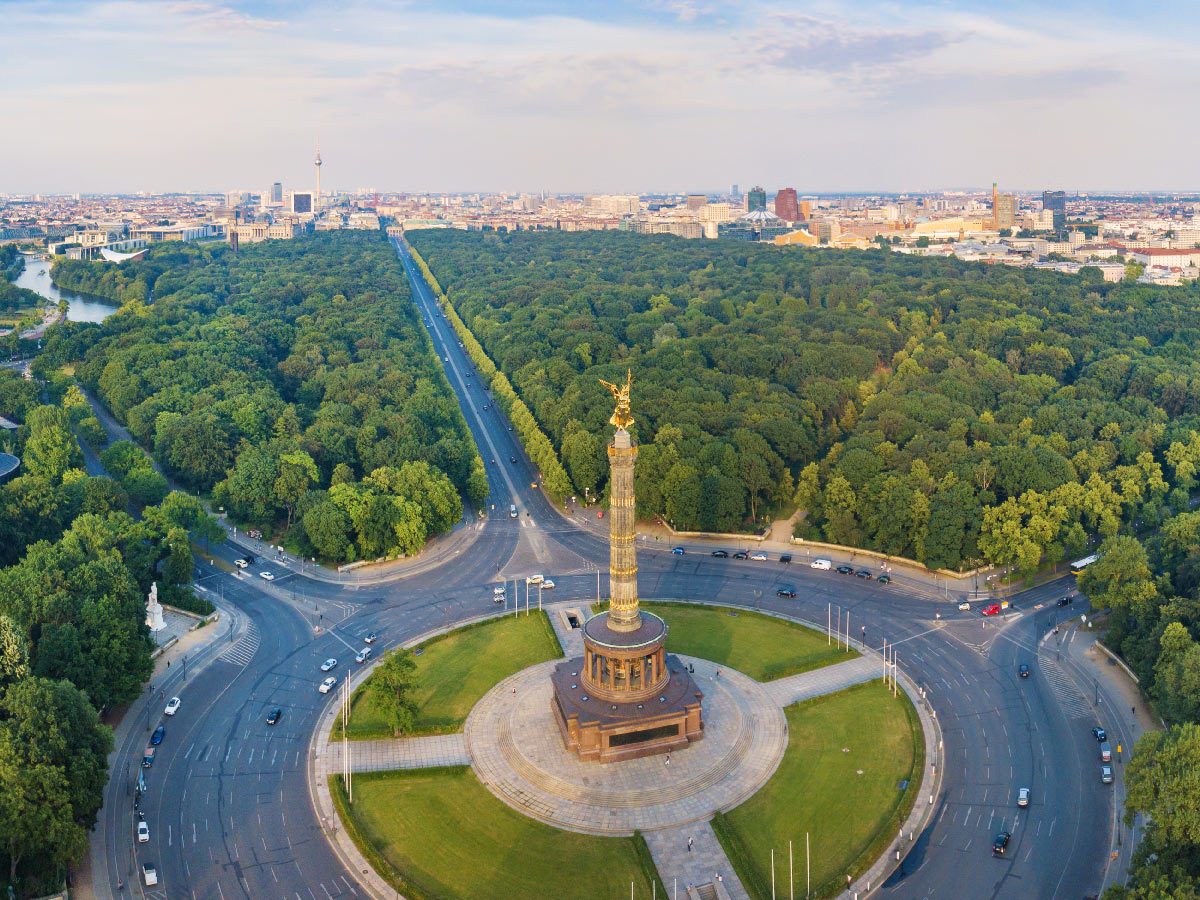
(227, 797)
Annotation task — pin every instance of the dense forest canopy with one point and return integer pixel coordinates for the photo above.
(946, 411)
(291, 378)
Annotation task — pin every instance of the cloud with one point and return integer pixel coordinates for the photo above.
(805, 43)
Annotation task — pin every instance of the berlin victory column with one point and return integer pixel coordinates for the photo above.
(625, 697)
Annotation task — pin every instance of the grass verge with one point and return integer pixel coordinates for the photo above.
(438, 834)
(850, 818)
(455, 670)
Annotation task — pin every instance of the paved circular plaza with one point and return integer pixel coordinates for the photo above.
(517, 752)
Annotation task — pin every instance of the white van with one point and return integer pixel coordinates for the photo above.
(535, 579)
(823, 564)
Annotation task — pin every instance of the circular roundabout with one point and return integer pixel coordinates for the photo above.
(517, 752)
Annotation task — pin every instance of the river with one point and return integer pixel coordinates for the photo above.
(81, 308)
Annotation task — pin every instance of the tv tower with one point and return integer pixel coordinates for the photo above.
(317, 163)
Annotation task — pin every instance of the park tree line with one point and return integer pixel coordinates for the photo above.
(75, 568)
(1150, 596)
(946, 411)
(291, 379)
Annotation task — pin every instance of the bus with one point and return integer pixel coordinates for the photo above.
(1080, 564)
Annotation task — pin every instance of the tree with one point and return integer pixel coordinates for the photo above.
(178, 567)
(392, 685)
(1177, 675)
(51, 449)
(296, 472)
(14, 653)
(582, 454)
(328, 529)
(1162, 783)
(1121, 579)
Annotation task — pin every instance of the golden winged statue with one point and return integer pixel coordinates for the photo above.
(621, 417)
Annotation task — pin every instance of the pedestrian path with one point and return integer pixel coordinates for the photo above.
(571, 639)
(243, 651)
(1068, 694)
(405, 753)
(690, 857)
(827, 680)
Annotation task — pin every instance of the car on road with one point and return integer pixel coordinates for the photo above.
(741, 554)
(1099, 734)
(884, 579)
(486, 407)
(327, 685)
(785, 590)
(678, 551)
(328, 664)
(159, 733)
(1000, 844)
(1063, 601)
(510, 428)
(721, 554)
(1105, 752)
(172, 707)
(362, 655)
(147, 757)
(149, 874)
(267, 576)
(1106, 774)
(759, 556)
(548, 585)
(512, 511)
(964, 606)
(512, 459)
(1023, 670)
(993, 610)
(371, 638)
(823, 564)
(785, 558)
(535, 579)
(240, 563)
(143, 833)
(274, 716)
(845, 570)
(863, 573)
(1023, 797)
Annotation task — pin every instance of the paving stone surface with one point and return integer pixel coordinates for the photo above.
(571, 639)
(404, 753)
(677, 865)
(516, 751)
(839, 676)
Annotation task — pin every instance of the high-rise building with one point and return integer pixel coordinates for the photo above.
(696, 201)
(805, 210)
(786, 205)
(277, 192)
(1004, 209)
(733, 190)
(302, 202)
(756, 199)
(1056, 203)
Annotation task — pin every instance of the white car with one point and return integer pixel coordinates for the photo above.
(240, 563)
(760, 556)
(499, 590)
(1023, 797)
(172, 706)
(327, 685)
(547, 584)
(328, 664)
(964, 606)
(143, 833)
(535, 579)
(149, 874)
(822, 564)
(362, 655)
(266, 576)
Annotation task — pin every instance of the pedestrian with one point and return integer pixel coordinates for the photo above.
(168, 664)
(689, 845)
(718, 673)
(668, 759)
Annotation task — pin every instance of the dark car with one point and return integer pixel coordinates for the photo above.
(785, 558)
(248, 559)
(1100, 734)
(845, 570)
(720, 554)
(1000, 843)
(274, 715)
(1063, 601)
(159, 733)
(741, 554)
(512, 459)
(678, 551)
(1023, 670)
(786, 591)
(884, 579)
(862, 573)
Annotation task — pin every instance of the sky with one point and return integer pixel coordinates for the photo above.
(592, 96)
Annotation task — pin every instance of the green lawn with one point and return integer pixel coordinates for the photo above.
(850, 818)
(447, 838)
(760, 646)
(457, 669)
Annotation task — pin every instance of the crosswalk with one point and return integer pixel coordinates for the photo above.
(1068, 695)
(243, 651)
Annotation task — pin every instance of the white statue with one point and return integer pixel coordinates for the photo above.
(154, 610)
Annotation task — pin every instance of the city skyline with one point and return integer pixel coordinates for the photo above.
(667, 97)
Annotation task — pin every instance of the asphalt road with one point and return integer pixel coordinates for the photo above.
(229, 809)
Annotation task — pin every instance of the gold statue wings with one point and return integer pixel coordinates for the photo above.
(621, 417)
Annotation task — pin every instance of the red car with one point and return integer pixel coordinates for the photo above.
(993, 610)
